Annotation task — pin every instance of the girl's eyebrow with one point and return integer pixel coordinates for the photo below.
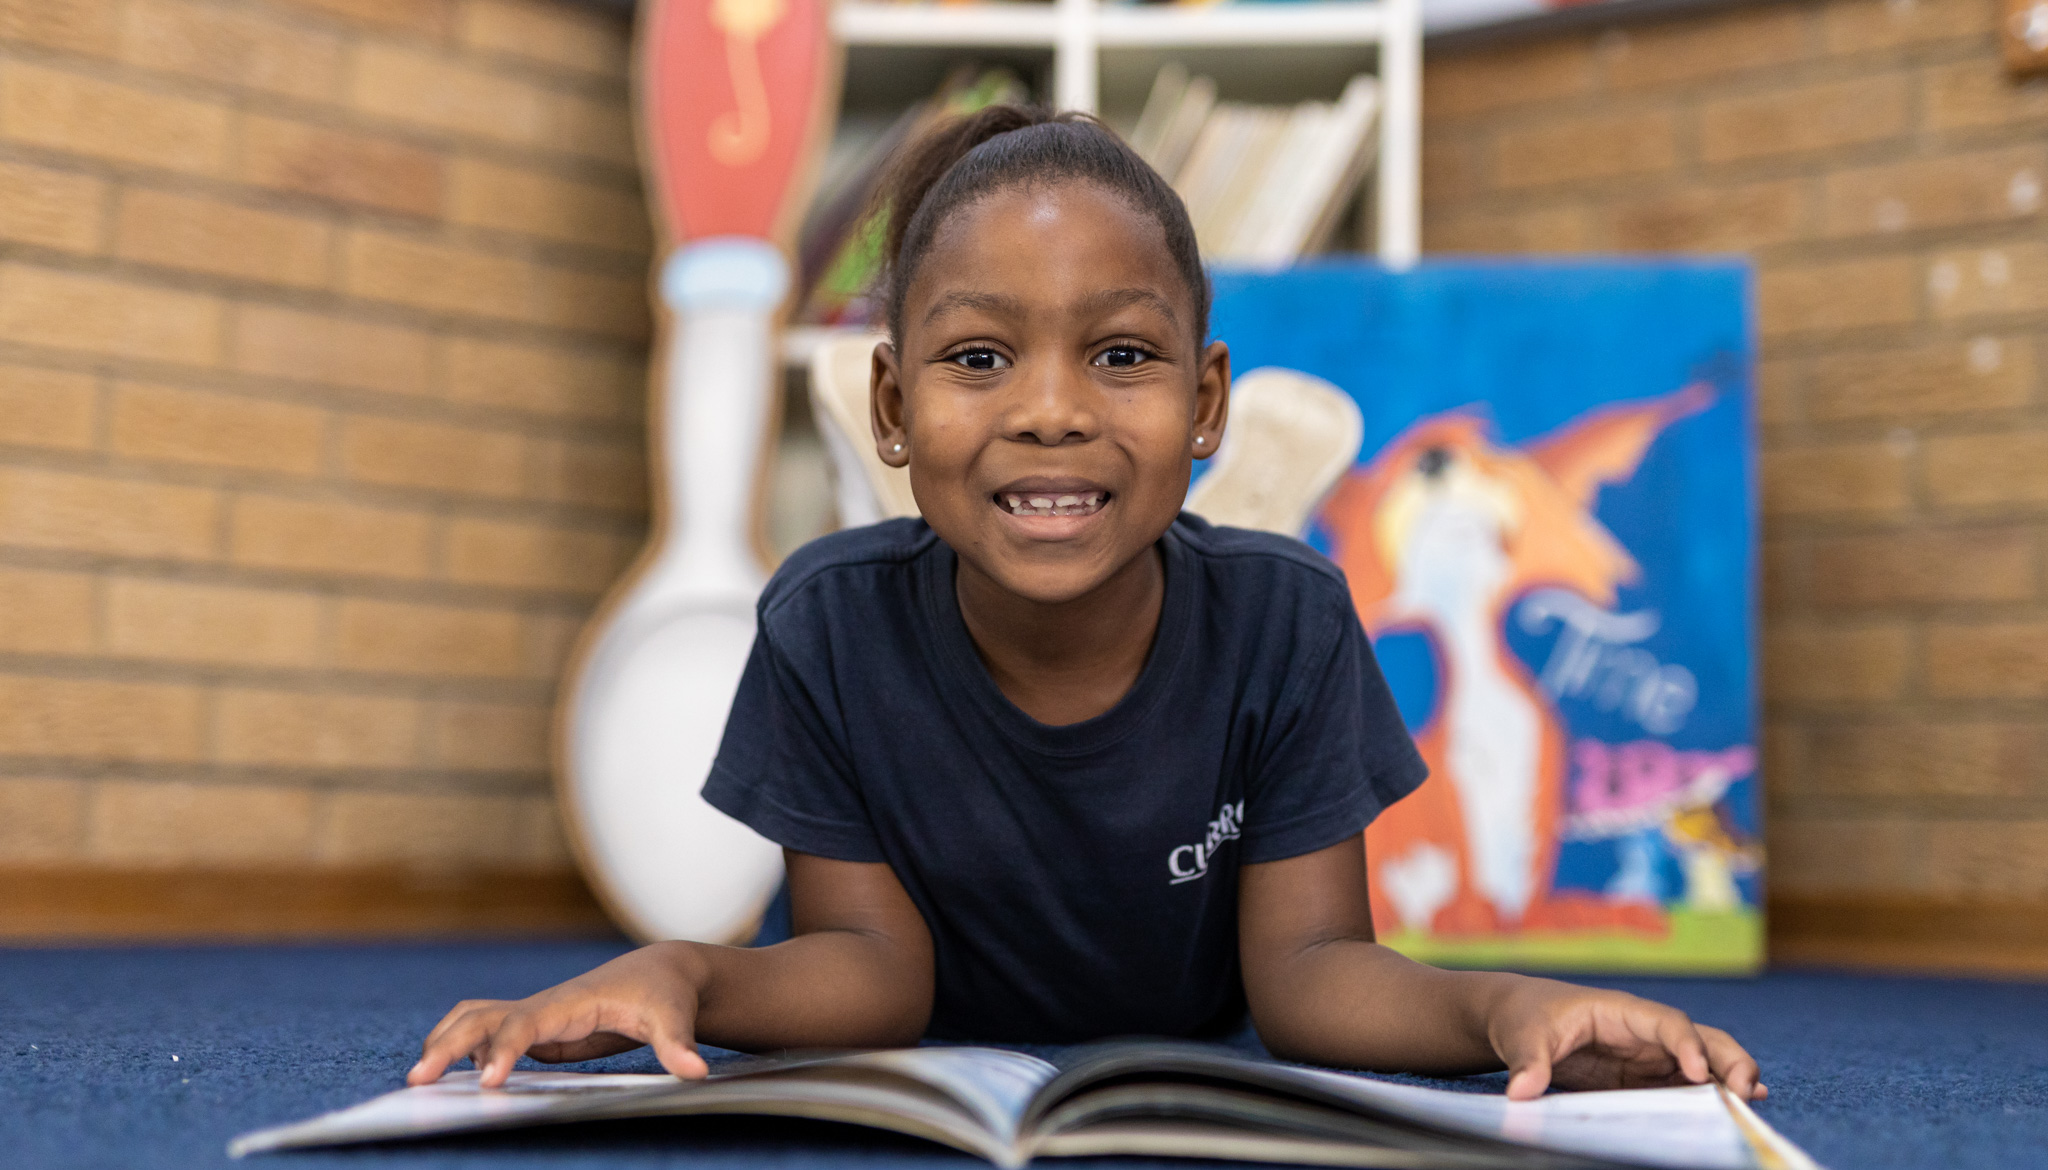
(994, 303)
(1094, 304)
(1111, 299)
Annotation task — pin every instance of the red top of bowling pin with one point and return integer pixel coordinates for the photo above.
(734, 94)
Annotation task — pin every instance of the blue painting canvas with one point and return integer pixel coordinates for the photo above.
(1550, 533)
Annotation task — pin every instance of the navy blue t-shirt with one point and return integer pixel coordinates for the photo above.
(1078, 881)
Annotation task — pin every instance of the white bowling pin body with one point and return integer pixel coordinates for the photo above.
(643, 718)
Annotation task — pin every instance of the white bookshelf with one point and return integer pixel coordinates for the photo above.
(1086, 37)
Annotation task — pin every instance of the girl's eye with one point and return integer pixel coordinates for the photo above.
(981, 360)
(1122, 357)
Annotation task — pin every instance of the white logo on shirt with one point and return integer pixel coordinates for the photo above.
(1188, 862)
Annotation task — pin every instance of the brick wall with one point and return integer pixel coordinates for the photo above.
(322, 342)
(1889, 182)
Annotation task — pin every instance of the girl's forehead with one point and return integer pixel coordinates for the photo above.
(1063, 240)
(1066, 205)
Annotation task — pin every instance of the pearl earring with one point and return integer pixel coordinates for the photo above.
(897, 449)
(1199, 440)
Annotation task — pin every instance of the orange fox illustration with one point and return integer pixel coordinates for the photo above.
(1441, 533)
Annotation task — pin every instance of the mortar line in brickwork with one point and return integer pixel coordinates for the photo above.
(621, 439)
(192, 674)
(422, 779)
(440, 595)
(626, 270)
(619, 519)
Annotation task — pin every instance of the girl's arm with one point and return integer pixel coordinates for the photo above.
(857, 974)
(1323, 992)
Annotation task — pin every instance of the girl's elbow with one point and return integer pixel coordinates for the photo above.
(906, 1026)
(1284, 1029)
(905, 1011)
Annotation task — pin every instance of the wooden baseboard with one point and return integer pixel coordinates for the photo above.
(1915, 934)
(78, 905)
(64, 905)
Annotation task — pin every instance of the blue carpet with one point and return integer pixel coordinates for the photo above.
(1865, 1072)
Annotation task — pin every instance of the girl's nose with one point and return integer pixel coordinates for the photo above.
(1053, 405)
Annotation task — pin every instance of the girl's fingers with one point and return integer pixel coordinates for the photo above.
(428, 1070)
(591, 1047)
(1528, 1056)
(1675, 1031)
(1733, 1065)
(1528, 1080)
(454, 1015)
(457, 1037)
(675, 1047)
(515, 1034)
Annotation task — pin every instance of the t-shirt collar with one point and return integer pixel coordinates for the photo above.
(962, 668)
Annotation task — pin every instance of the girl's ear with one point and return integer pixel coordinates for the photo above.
(1212, 399)
(885, 406)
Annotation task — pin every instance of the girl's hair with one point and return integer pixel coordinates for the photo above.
(1007, 146)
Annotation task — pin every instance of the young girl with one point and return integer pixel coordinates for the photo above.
(1057, 762)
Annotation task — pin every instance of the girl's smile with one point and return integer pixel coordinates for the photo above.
(1034, 501)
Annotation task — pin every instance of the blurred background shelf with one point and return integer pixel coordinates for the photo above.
(1101, 58)
(1241, 24)
(863, 23)
(958, 26)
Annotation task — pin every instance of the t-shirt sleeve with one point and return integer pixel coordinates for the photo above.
(781, 769)
(1337, 755)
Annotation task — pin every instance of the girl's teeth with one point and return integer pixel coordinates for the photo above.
(1051, 506)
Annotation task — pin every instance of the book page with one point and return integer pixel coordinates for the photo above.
(993, 1084)
(456, 1103)
(1693, 1127)
(1155, 1119)
(1684, 1128)
(970, 1098)
(1179, 1138)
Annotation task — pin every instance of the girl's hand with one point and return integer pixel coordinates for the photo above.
(648, 996)
(1581, 1038)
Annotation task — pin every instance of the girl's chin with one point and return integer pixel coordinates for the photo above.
(1040, 575)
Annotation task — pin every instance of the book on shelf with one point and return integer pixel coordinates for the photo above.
(1172, 118)
(1264, 185)
(1152, 1098)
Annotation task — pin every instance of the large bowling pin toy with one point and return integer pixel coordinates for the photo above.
(735, 101)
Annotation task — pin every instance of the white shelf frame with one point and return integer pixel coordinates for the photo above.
(1077, 31)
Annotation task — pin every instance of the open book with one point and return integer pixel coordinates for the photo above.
(1160, 1099)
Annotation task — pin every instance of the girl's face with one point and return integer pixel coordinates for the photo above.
(1049, 388)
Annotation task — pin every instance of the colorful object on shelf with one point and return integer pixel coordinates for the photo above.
(1550, 534)
(735, 103)
(735, 97)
